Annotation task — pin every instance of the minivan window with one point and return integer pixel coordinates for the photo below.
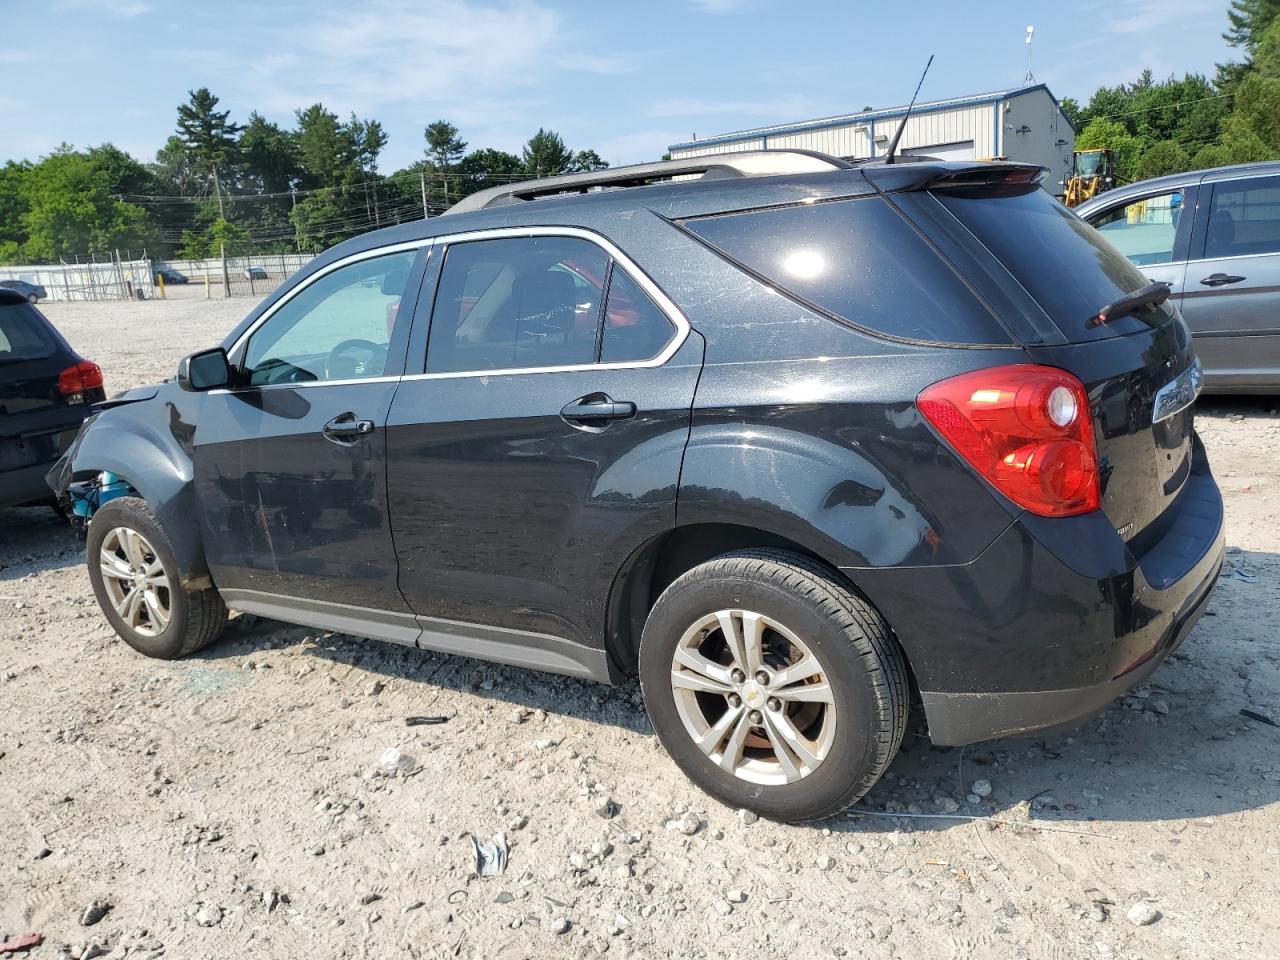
(336, 328)
(1061, 261)
(1144, 230)
(860, 260)
(634, 328)
(516, 303)
(1244, 218)
(23, 335)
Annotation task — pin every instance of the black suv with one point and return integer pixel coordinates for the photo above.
(45, 392)
(797, 441)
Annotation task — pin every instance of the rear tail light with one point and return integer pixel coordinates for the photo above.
(74, 381)
(1026, 429)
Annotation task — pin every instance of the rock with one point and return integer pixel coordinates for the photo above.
(517, 823)
(1159, 706)
(1143, 913)
(946, 804)
(736, 896)
(826, 862)
(881, 929)
(210, 915)
(41, 853)
(981, 788)
(559, 925)
(723, 907)
(374, 688)
(748, 817)
(689, 824)
(94, 912)
(544, 743)
(607, 809)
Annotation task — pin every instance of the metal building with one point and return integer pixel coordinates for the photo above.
(1025, 124)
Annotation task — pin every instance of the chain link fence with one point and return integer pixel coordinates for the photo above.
(120, 278)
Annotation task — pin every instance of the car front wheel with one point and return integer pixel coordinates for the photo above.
(134, 575)
(773, 686)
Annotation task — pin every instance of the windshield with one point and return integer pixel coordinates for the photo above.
(1089, 164)
(1066, 265)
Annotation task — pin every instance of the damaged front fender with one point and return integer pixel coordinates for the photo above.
(143, 439)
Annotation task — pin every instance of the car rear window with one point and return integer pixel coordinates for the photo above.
(24, 334)
(1063, 263)
(859, 260)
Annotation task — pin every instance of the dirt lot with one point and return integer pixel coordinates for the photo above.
(226, 806)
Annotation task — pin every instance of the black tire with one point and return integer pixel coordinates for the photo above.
(196, 617)
(862, 662)
(32, 298)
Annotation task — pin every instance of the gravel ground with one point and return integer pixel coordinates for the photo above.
(229, 804)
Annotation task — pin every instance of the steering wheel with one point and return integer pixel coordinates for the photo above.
(338, 366)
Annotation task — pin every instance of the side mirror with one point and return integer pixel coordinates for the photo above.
(206, 370)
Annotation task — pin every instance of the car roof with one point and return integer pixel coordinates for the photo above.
(1174, 180)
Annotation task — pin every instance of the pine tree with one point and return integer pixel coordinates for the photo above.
(208, 135)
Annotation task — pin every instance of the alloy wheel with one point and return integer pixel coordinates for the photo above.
(753, 696)
(136, 581)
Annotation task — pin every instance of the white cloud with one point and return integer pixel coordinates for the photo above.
(1142, 16)
(787, 108)
(720, 6)
(639, 147)
(119, 9)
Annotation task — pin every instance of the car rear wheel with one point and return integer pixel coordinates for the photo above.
(32, 298)
(772, 685)
(134, 574)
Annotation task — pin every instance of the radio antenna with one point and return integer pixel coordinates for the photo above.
(893, 147)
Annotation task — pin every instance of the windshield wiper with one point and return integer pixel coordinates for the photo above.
(1153, 294)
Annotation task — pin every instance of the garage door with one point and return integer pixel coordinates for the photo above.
(945, 151)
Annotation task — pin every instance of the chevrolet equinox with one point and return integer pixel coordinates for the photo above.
(796, 440)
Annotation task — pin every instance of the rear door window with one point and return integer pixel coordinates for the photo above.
(517, 303)
(859, 260)
(1244, 218)
(24, 334)
(634, 328)
(1144, 230)
(1066, 266)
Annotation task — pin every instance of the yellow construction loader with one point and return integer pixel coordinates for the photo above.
(1092, 173)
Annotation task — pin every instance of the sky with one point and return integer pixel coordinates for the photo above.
(624, 78)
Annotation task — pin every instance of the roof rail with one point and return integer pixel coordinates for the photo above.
(744, 163)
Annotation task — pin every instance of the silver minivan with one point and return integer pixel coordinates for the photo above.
(1214, 237)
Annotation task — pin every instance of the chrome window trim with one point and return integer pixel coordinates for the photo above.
(1234, 256)
(665, 304)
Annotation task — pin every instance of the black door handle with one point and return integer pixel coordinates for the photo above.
(347, 428)
(1220, 279)
(596, 410)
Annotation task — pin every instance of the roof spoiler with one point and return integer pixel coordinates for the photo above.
(745, 163)
(977, 176)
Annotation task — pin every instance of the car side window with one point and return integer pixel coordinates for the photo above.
(517, 303)
(1144, 231)
(634, 328)
(1244, 218)
(335, 328)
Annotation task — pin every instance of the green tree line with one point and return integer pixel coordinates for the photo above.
(1155, 128)
(253, 187)
(259, 186)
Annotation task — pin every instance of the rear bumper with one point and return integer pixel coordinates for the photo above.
(1055, 620)
(25, 485)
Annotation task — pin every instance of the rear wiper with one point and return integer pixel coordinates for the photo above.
(1153, 294)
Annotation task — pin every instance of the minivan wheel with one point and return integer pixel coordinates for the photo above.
(134, 575)
(772, 685)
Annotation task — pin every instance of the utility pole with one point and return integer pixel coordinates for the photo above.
(422, 178)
